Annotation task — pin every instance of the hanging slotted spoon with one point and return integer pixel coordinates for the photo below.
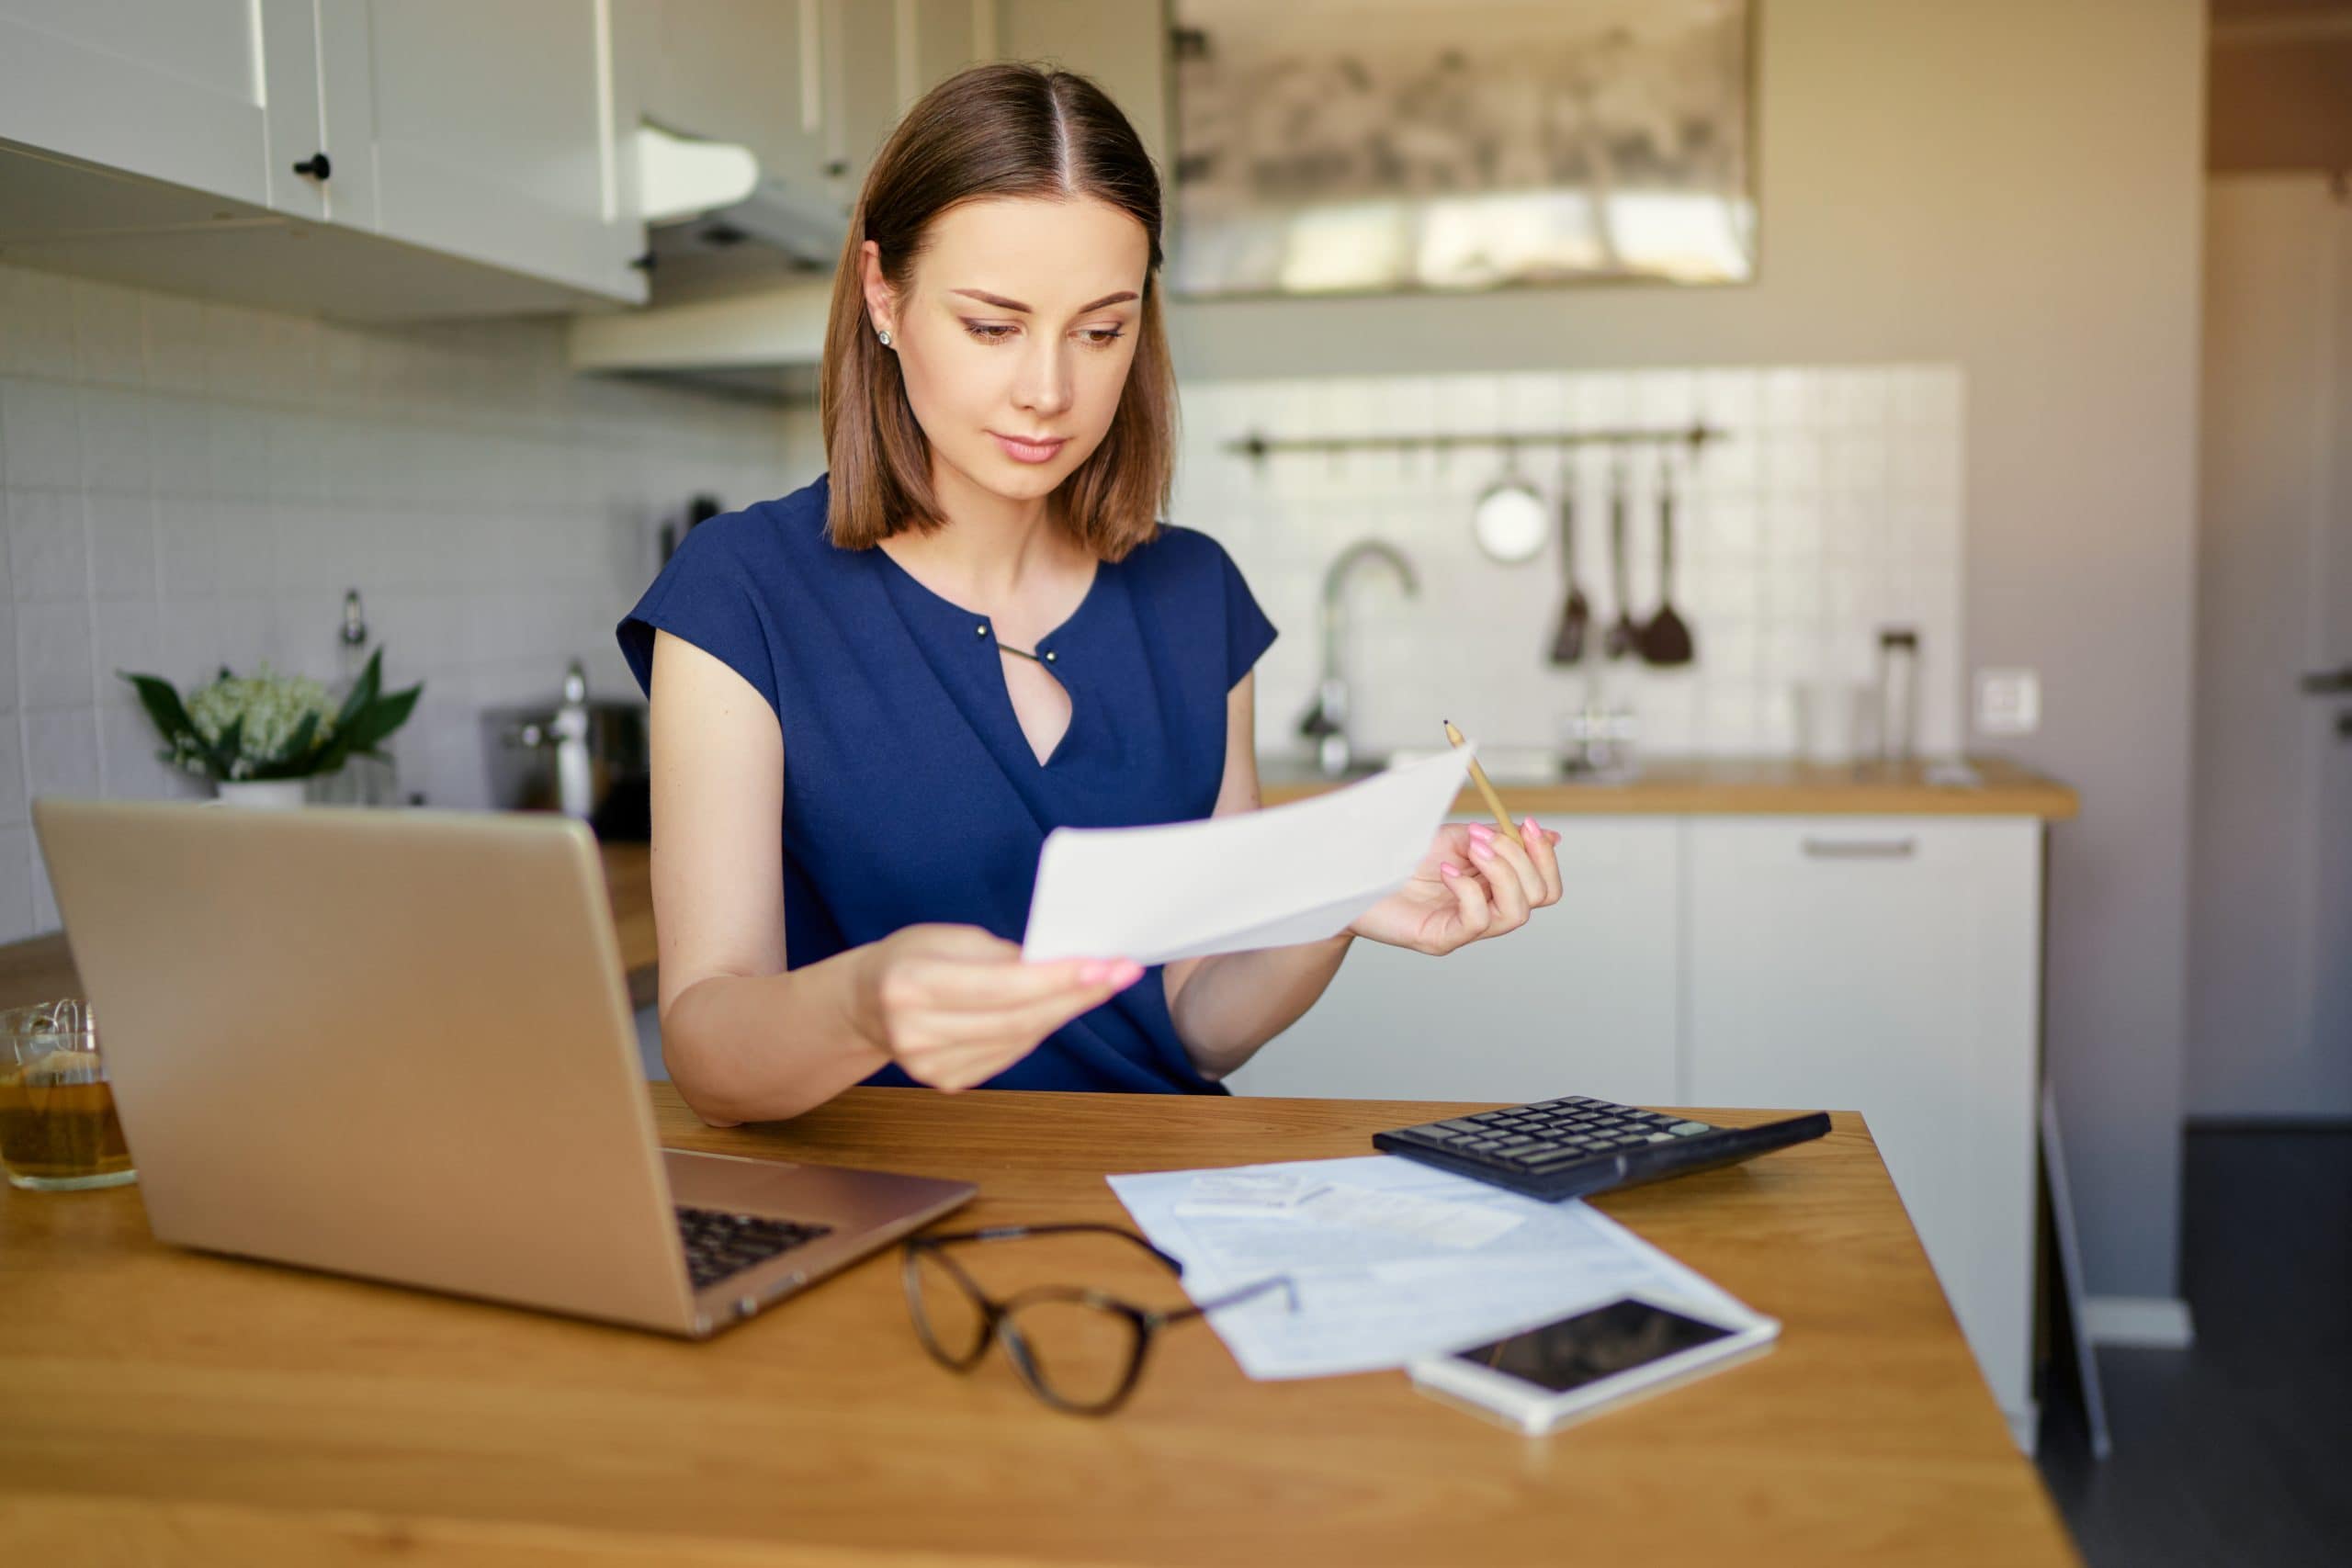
(1567, 643)
(1622, 636)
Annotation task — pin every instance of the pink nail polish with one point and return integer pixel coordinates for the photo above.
(1092, 972)
(1481, 832)
(1482, 851)
(1447, 869)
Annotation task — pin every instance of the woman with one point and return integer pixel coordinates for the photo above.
(873, 698)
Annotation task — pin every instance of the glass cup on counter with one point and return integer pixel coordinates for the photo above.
(59, 1132)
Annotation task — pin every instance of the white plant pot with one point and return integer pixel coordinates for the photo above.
(277, 794)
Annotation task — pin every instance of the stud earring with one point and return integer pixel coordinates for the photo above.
(884, 335)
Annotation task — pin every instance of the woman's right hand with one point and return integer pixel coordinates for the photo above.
(954, 1006)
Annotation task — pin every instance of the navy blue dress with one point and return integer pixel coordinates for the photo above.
(910, 794)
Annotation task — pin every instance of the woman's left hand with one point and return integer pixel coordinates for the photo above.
(1474, 883)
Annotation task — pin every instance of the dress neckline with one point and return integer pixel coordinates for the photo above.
(980, 618)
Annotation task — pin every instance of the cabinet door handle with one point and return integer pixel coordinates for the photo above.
(1860, 849)
(316, 165)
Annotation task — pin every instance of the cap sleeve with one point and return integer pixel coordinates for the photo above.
(704, 597)
(1248, 632)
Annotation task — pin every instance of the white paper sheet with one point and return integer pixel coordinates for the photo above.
(1376, 1287)
(1289, 873)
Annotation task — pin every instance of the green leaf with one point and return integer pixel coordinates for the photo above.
(222, 753)
(362, 690)
(162, 704)
(386, 716)
(289, 761)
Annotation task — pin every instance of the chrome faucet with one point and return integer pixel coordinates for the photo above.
(1325, 721)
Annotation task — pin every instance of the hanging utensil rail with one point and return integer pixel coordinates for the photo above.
(1695, 436)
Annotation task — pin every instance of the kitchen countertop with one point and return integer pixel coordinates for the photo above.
(1678, 787)
(40, 968)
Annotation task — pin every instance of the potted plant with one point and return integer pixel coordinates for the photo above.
(257, 738)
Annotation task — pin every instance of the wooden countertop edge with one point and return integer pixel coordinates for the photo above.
(41, 969)
(1752, 787)
(2052, 803)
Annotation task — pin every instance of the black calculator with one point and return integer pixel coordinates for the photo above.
(1570, 1148)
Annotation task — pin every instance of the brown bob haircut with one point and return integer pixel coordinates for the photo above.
(998, 130)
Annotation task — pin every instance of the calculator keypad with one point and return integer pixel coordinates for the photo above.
(1553, 1134)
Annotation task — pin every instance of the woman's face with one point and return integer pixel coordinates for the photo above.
(1014, 336)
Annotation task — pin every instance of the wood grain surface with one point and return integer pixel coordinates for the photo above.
(162, 1406)
(1737, 786)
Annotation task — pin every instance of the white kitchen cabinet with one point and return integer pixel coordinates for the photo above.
(810, 87)
(1582, 1000)
(750, 72)
(865, 79)
(1890, 966)
(490, 132)
(219, 95)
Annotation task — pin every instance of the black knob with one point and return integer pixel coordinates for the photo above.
(315, 165)
(837, 168)
(645, 263)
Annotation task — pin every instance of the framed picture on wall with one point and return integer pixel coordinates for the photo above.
(1387, 146)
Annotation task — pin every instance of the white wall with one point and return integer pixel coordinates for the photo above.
(185, 484)
(1830, 509)
(2013, 187)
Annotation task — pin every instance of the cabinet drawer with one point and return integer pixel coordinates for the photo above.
(1582, 1000)
(1889, 965)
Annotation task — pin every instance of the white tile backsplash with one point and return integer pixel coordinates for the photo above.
(1833, 508)
(185, 485)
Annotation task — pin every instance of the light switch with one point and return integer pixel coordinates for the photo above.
(2009, 702)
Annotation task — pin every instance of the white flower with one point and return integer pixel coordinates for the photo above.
(273, 708)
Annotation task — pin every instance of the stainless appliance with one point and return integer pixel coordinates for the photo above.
(579, 755)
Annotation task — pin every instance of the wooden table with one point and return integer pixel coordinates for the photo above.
(157, 1406)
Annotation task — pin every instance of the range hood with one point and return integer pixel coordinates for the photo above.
(742, 276)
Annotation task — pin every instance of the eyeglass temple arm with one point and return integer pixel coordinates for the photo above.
(1006, 1233)
(1290, 1293)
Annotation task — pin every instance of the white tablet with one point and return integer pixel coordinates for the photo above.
(1561, 1371)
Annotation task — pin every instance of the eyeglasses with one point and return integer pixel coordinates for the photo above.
(1079, 1349)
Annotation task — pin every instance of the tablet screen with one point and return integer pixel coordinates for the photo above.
(1593, 1344)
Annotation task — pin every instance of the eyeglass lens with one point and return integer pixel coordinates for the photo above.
(1079, 1352)
(950, 1319)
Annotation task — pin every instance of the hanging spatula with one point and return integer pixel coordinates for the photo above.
(1666, 640)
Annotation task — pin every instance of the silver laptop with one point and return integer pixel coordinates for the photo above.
(397, 1044)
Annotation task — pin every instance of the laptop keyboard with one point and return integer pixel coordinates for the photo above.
(719, 1244)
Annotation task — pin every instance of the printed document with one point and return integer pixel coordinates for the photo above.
(1289, 873)
(1392, 1260)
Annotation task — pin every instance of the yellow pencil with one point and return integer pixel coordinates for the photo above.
(1486, 788)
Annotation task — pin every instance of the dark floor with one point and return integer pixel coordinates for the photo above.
(2236, 1453)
